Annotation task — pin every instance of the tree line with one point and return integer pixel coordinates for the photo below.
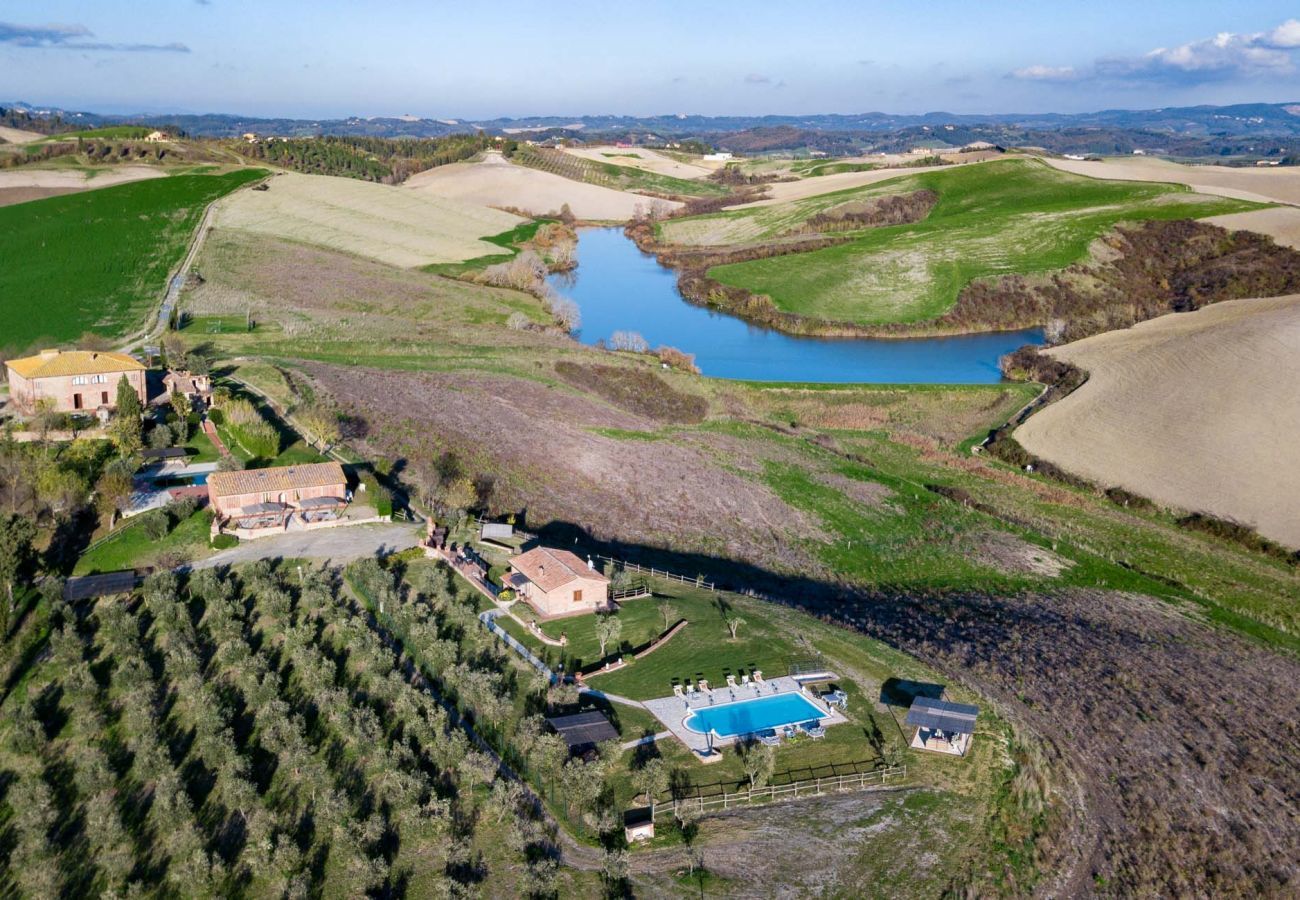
(383, 160)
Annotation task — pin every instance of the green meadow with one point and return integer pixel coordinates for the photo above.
(97, 261)
(1009, 216)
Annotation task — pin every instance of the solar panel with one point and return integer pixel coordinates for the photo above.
(583, 729)
(105, 585)
(943, 715)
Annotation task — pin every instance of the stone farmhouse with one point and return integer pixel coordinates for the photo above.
(255, 499)
(76, 380)
(558, 583)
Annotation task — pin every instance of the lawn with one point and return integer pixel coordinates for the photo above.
(131, 547)
(1011, 216)
(98, 261)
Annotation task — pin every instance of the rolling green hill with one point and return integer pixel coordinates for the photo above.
(96, 261)
(992, 219)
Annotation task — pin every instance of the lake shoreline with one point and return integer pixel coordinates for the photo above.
(696, 286)
(620, 288)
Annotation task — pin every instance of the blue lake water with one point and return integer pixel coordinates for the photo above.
(619, 288)
(753, 716)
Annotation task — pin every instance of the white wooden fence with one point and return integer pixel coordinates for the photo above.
(812, 787)
(697, 581)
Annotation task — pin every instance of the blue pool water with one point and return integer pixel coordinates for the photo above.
(196, 478)
(751, 716)
(619, 288)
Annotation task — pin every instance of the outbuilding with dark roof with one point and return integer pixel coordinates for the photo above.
(941, 725)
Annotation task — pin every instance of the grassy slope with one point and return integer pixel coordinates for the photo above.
(95, 261)
(129, 546)
(997, 218)
(901, 438)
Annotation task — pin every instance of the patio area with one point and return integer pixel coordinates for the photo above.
(674, 711)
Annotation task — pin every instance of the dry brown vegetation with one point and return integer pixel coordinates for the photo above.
(541, 445)
(1177, 736)
(1139, 272)
(874, 212)
(637, 390)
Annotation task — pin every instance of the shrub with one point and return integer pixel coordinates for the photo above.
(506, 595)
(677, 359)
(217, 417)
(224, 541)
(161, 436)
(497, 575)
(1120, 497)
(259, 438)
(156, 524)
(1238, 533)
(180, 510)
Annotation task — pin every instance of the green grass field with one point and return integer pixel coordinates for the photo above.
(130, 546)
(112, 133)
(97, 261)
(1009, 216)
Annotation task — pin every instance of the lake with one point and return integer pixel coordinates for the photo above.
(619, 288)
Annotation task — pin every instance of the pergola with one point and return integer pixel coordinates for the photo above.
(941, 725)
(320, 509)
(262, 515)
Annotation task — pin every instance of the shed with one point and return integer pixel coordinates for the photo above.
(494, 531)
(941, 725)
(583, 731)
(639, 824)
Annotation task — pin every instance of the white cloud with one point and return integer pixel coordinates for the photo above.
(754, 78)
(1227, 54)
(1285, 36)
(1046, 73)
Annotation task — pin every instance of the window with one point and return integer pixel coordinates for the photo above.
(99, 379)
(577, 596)
(79, 379)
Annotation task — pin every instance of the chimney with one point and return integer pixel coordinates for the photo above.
(591, 565)
(541, 570)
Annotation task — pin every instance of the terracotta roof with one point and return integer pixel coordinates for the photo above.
(279, 478)
(550, 569)
(51, 363)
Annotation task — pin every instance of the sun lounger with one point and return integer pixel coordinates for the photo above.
(815, 731)
(771, 740)
(704, 685)
(758, 676)
(744, 679)
(731, 681)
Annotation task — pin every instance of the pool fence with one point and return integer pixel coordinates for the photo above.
(774, 793)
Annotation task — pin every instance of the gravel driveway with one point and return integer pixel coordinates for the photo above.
(338, 545)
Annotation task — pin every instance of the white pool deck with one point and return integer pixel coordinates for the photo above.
(673, 711)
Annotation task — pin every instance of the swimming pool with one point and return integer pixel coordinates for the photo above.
(193, 479)
(753, 716)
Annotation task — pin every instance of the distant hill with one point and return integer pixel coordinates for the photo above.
(1259, 129)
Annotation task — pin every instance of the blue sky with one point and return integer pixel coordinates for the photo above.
(329, 58)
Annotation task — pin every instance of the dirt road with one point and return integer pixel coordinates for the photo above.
(338, 545)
